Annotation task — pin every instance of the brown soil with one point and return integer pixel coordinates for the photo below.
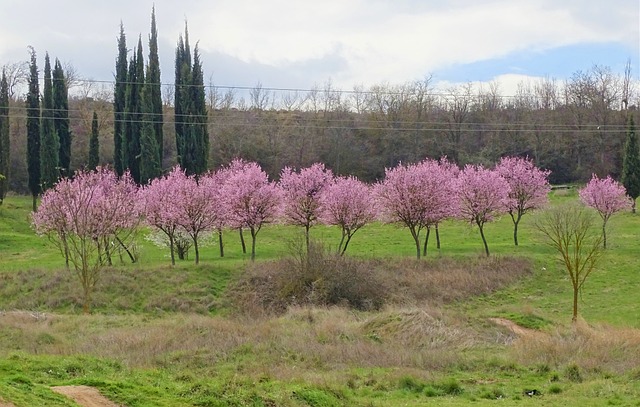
(5, 404)
(84, 395)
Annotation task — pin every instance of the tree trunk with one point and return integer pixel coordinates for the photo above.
(604, 235)
(416, 239)
(437, 237)
(484, 240)
(306, 236)
(33, 204)
(244, 246)
(253, 244)
(195, 247)
(171, 247)
(426, 241)
(220, 243)
(574, 318)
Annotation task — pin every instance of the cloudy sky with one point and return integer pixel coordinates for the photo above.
(302, 43)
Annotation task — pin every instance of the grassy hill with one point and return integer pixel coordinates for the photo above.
(162, 335)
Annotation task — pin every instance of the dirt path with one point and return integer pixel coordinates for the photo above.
(515, 328)
(84, 395)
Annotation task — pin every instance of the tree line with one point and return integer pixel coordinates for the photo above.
(572, 128)
(96, 214)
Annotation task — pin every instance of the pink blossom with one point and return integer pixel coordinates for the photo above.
(249, 199)
(418, 196)
(483, 194)
(606, 196)
(301, 194)
(529, 188)
(347, 203)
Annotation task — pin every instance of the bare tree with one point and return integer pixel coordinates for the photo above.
(259, 98)
(17, 74)
(570, 231)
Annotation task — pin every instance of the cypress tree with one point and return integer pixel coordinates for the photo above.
(150, 167)
(49, 142)
(181, 95)
(631, 164)
(119, 105)
(33, 129)
(192, 139)
(153, 86)
(4, 137)
(94, 144)
(134, 112)
(61, 118)
(199, 116)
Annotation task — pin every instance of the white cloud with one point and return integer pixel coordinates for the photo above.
(349, 41)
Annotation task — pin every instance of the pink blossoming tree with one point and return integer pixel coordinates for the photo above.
(528, 188)
(249, 199)
(160, 205)
(201, 209)
(83, 215)
(606, 196)
(483, 194)
(418, 196)
(347, 203)
(301, 195)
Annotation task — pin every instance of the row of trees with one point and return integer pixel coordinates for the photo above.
(574, 128)
(48, 133)
(95, 214)
(138, 134)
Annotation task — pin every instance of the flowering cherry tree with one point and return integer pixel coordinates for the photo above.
(249, 199)
(200, 207)
(528, 188)
(418, 196)
(160, 205)
(82, 215)
(347, 203)
(301, 195)
(606, 196)
(483, 194)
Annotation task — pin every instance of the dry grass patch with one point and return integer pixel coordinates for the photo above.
(320, 278)
(302, 339)
(591, 348)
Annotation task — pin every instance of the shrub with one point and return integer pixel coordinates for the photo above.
(316, 277)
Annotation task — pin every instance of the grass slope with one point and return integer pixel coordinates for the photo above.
(165, 336)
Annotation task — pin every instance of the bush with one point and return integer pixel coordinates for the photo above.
(318, 278)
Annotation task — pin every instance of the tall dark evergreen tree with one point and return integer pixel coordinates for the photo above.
(33, 129)
(150, 167)
(49, 142)
(134, 112)
(198, 121)
(181, 94)
(153, 87)
(94, 144)
(61, 118)
(4, 137)
(119, 105)
(631, 164)
(192, 140)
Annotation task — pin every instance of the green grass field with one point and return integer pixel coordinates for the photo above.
(169, 336)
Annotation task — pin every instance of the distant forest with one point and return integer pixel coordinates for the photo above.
(573, 127)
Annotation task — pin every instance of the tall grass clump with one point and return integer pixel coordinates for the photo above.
(582, 347)
(316, 277)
